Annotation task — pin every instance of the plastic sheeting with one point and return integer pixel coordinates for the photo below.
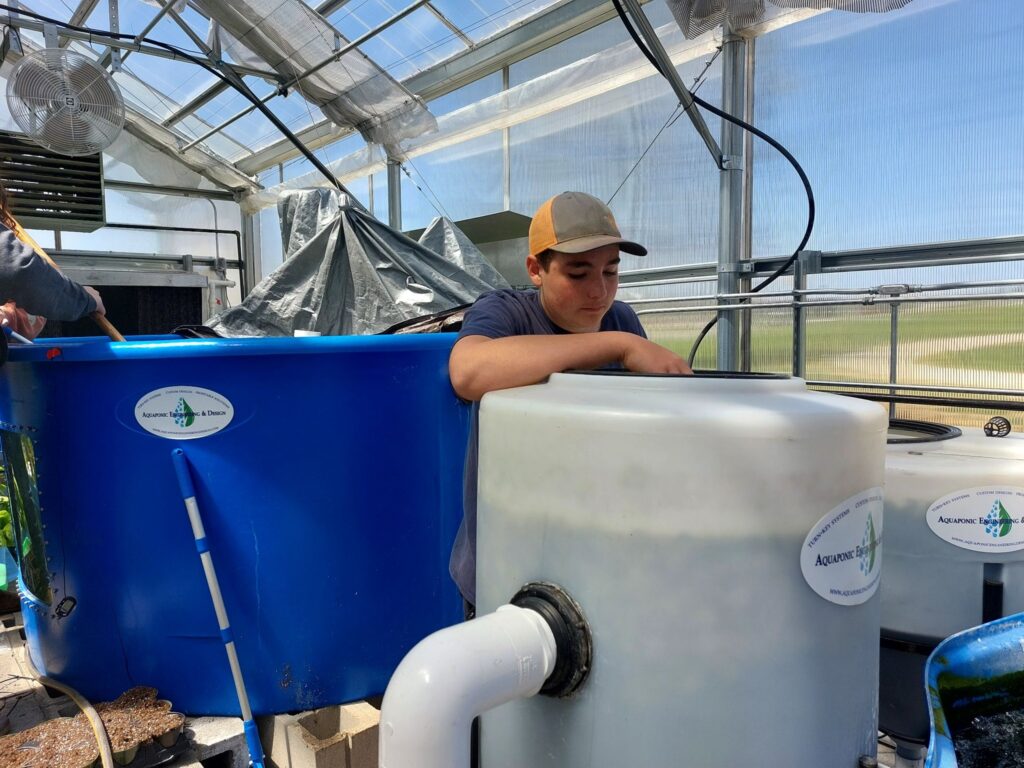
(345, 272)
(351, 91)
(695, 17)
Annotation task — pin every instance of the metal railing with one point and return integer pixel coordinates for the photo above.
(801, 299)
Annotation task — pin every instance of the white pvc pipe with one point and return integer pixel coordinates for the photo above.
(453, 676)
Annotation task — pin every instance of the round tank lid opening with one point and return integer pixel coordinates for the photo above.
(913, 431)
(701, 383)
(698, 374)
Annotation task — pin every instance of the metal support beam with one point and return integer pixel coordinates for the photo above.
(799, 319)
(466, 39)
(155, 189)
(114, 22)
(657, 50)
(395, 195)
(184, 25)
(747, 212)
(108, 54)
(925, 255)
(506, 153)
(894, 340)
(251, 272)
(203, 98)
(23, 22)
(82, 13)
(370, 204)
(730, 212)
(330, 6)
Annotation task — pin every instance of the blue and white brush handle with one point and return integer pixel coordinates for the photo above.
(16, 336)
(188, 494)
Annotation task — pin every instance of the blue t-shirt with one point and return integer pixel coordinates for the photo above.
(496, 315)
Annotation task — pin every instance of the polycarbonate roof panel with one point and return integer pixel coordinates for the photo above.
(255, 130)
(57, 9)
(418, 41)
(220, 142)
(480, 19)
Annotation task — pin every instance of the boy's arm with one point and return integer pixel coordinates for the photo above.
(479, 364)
(36, 286)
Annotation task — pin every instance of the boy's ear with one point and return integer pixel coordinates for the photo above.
(534, 269)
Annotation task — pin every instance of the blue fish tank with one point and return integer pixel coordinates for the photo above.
(328, 472)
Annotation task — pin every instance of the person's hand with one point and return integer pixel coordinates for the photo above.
(645, 356)
(20, 321)
(100, 309)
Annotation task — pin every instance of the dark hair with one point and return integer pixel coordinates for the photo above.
(545, 257)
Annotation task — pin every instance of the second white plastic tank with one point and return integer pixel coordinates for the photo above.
(722, 535)
(952, 507)
(954, 513)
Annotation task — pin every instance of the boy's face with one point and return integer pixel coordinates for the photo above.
(577, 289)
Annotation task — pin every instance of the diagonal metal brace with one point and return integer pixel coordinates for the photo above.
(660, 55)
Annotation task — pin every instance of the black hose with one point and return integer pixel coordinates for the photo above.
(761, 135)
(235, 82)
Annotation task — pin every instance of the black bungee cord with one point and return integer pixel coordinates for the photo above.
(760, 134)
(235, 82)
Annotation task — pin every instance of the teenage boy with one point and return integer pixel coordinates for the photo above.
(513, 338)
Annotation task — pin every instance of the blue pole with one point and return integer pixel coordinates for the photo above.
(188, 494)
(16, 336)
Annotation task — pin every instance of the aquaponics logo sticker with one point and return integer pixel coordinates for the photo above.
(183, 413)
(998, 522)
(841, 558)
(986, 519)
(868, 547)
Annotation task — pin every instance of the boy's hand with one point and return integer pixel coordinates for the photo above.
(643, 356)
(20, 321)
(100, 309)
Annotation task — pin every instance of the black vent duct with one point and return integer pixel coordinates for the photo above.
(51, 191)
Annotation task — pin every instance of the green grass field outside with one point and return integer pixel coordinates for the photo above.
(974, 344)
(1007, 358)
(844, 332)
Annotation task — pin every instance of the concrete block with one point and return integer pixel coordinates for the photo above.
(215, 740)
(343, 736)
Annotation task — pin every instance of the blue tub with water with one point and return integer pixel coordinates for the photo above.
(328, 472)
(975, 686)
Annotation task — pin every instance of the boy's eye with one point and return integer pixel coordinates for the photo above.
(577, 275)
(612, 273)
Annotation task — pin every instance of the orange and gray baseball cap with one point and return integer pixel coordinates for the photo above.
(574, 222)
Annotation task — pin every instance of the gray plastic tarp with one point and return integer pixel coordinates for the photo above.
(345, 272)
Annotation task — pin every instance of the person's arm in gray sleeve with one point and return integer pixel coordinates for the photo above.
(36, 286)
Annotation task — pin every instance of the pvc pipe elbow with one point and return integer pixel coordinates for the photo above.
(453, 676)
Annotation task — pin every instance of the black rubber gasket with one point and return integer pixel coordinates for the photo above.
(928, 431)
(573, 643)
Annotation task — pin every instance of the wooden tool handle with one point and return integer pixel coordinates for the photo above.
(107, 327)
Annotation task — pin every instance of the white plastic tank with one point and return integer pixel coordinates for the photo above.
(722, 536)
(951, 507)
(954, 553)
